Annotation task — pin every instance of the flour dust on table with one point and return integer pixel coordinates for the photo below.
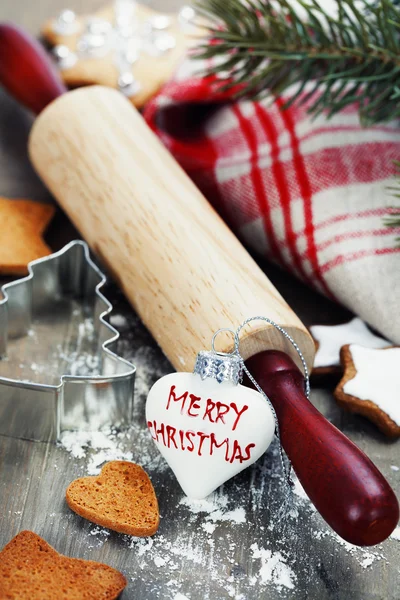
(212, 529)
(233, 538)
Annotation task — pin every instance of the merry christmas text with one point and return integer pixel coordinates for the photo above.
(198, 441)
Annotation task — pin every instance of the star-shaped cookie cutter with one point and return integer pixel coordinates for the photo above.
(71, 377)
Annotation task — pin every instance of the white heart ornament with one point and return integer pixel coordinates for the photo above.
(207, 431)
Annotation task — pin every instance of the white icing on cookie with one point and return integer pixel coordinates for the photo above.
(332, 338)
(377, 378)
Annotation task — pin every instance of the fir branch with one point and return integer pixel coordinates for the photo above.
(269, 46)
(393, 220)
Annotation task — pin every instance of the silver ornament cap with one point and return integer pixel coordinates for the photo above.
(220, 366)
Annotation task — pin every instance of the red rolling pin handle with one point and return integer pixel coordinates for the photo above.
(346, 488)
(26, 71)
(344, 485)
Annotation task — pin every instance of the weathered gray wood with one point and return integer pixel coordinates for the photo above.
(33, 476)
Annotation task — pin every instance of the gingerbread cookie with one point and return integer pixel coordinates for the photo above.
(22, 224)
(330, 339)
(125, 45)
(371, 385)
(30, 569)
(121, 498)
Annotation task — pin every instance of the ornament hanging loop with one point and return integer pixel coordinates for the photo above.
(287, 336)
(234, 351)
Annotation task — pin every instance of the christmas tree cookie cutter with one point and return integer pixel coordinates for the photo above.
(58, 367)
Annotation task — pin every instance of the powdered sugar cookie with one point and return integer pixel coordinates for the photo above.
(127, 46)
(371, 385)
(330, 339)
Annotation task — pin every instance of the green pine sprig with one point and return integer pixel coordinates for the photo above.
(266, 47)
(393, 220)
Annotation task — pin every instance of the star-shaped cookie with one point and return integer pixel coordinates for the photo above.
(371, 385)
(330, 339)
(22, 224)
(30, 569)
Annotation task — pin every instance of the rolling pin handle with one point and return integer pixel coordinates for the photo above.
(26, 71)
(344, 485)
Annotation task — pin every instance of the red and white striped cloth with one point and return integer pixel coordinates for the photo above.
(308, 194)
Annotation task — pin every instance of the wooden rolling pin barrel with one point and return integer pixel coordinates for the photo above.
(184, 272)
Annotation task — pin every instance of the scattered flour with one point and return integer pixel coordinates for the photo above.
(368, 560)
(271, 568)
(143, 544)
(99, 447)
(98, 459)
(99, 530)
(213, 503)
(396, 534)
(213, 525)
(105, 446)
(274, 569)
(118, 321)
(100, 535)
(214, 507)
(76, 442)
(365, 559)
(298, 489)
(159, 561)
(209, 527)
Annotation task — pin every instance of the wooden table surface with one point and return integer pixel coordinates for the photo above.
(208, 554)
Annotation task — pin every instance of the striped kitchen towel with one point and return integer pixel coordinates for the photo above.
(309, 194)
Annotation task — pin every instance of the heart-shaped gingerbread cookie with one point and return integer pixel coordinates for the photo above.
(121, 498)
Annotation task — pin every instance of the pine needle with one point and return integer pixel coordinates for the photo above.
(393, 220)
(358, 49)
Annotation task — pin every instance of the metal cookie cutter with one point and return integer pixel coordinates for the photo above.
(58, 369)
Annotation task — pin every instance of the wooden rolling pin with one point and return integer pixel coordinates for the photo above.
(185, 272)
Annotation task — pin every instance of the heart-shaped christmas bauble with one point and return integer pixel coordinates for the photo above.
(207, 431)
